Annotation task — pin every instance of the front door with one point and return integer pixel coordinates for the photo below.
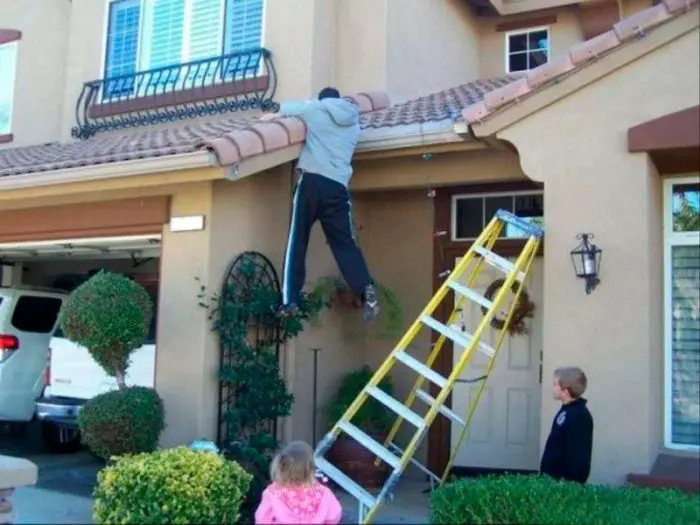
(505, 429)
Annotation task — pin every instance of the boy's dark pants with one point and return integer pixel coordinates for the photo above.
(319, 198)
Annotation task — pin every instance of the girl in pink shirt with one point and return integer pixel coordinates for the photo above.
(295, 497)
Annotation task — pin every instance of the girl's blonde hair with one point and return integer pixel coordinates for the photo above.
(293, 465)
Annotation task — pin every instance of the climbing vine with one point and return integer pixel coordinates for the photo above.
(243, 315)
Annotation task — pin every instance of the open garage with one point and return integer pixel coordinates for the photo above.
(72, 376)
(45, 253)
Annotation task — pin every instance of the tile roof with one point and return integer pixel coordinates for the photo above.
(232, 139)
(235, 139)
(577, 57)
(113, 148)
(446, 104)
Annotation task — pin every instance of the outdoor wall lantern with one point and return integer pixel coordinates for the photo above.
(586, 259)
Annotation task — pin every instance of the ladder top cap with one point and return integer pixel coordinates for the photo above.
(531, 229)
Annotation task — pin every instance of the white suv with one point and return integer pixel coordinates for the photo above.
(28, 319)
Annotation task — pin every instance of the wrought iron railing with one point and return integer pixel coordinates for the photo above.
(233, 82)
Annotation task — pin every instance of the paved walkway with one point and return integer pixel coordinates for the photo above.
(409, 505)
(66, 483)
(35, 505)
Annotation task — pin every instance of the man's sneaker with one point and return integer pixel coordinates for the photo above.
(287, 310)
(370, 306)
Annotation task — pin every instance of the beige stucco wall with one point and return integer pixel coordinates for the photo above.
(566, 32)
(430, 46)
(443, 169)
(592, 184)
(41, 65)
(372, 44)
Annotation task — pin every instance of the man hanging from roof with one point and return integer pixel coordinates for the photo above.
(321, 193)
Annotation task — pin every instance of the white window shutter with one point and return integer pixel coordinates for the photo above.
(205, 29)
(163, 35)
(243, 32)
(121, 55)
(243, 25)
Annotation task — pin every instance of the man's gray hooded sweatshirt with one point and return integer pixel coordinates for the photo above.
(332, 132)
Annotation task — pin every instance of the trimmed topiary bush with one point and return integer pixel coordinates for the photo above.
(540, 499)
(109, 315)
(125, 421)
(177, 485)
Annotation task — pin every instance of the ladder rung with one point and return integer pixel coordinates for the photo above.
(344, 481)
(518, 222)
(416, 463)
(499, 262)
(456, 337)
(400, 409)
(422, 369)
(462, 339)
(445, 411)
(369, 443)
(470, 294)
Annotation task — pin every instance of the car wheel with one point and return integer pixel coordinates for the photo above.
(60, 439)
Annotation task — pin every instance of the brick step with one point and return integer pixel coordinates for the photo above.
(691, 486)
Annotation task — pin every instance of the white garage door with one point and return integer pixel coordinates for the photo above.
(504, 433)
(92, 248)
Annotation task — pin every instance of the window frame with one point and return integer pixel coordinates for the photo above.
(526, 32)
(483, 196)
(14, 45)
(139, 45)
(672, 239)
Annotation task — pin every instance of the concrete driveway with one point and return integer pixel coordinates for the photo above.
(63, 493)
(66, 481)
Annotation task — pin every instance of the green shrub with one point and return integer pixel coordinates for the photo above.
(176, 485)
(373, 416)
(539, 499)
(120, 422)
(109, 315)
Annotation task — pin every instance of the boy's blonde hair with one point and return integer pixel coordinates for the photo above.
(572, 379)
(293, 465)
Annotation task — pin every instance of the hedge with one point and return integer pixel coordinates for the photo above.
(526, 499)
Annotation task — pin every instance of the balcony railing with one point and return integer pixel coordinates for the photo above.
(232, 82)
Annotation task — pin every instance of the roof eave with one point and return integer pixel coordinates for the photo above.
(116, 170)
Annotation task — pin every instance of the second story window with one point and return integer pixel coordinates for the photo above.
(526, 50)
(8, 63)
(149, 34)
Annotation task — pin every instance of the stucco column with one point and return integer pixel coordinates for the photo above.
(184, 339)
(613, 334)
(250, 214)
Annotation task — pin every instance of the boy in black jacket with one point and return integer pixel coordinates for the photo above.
(567, 454)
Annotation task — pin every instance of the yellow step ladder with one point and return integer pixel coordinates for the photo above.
(398, 459)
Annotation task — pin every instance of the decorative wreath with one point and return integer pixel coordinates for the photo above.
(524, 309)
